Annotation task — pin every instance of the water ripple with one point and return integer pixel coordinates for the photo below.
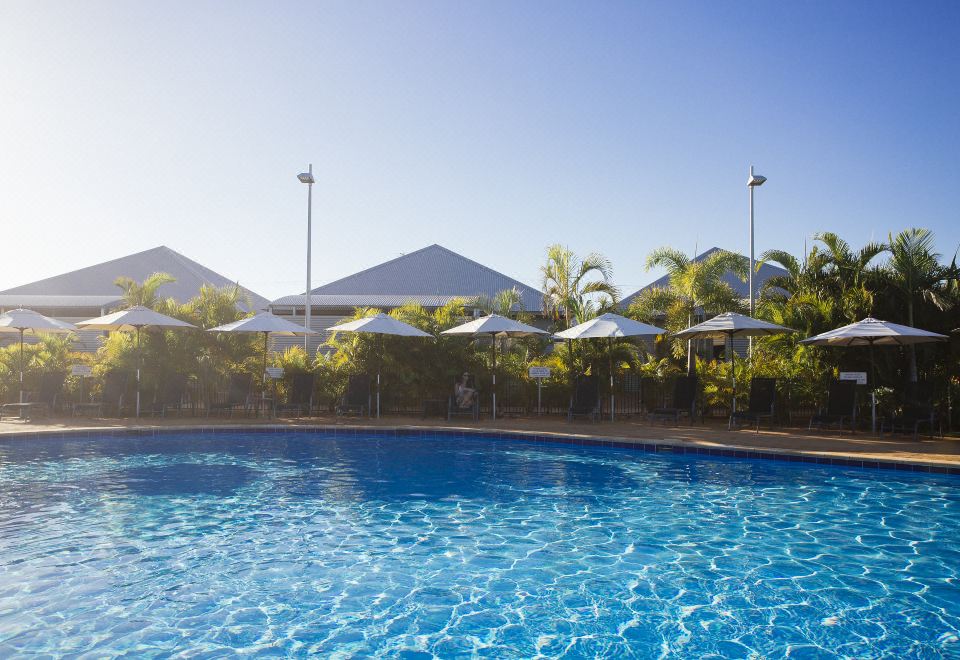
(212, 546)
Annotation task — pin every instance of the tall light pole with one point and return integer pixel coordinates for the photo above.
(754, 181)
(307, 178)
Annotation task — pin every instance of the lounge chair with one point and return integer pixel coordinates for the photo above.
(170, 395)
(237, 397)
(300, 398)
(683, 403)
(841, 407)
(357, 397)
(51, 385)
(917, 411)
(763, 398)
(586, 399)
(111, 397)
(454, 407)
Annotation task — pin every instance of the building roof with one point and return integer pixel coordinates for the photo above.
(8, 300)
(741, 288)
(431, 275)
(98, 280)
(346, 301)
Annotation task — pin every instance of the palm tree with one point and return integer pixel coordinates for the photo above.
(143, 293)
(914, 270)
(568, 291)
(694, 286)
(845, 273)
(503, 302)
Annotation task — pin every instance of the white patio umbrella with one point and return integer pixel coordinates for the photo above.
(380, 324)
(134, 318)
(495, 325)
(870, 332)
(267, 324)
(610, 326)
(23, 320)
(730, 326)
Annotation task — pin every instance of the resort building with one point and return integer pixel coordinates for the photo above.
(715, 347)
(431, 276)
(90, 292)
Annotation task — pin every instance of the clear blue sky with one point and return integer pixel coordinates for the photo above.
(492, 128)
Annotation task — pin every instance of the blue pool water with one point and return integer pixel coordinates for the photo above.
(283, 544)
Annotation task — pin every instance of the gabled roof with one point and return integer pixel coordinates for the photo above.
(98, 280)
(54, 301)
(431, 271)
(741, 288)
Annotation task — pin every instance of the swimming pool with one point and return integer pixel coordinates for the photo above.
(297, 544)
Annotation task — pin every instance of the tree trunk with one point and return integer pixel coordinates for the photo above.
(912, 349)
(691, 362)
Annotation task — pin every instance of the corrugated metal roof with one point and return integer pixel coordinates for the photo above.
(743, 290)
(98, 280)
(30, 301)
(363, 300)
(432, 271)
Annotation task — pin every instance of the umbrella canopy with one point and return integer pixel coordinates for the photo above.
(27, 320)
(380, 324)
(268, 324)
(17, 320)
(134, 318)
(733, 325)
(265, 322)
(495, 325)
(610, 326)
(872, 331)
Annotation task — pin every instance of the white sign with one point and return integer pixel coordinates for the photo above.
(859, 376)
(81, 370)
(539, 372)
(275, 373)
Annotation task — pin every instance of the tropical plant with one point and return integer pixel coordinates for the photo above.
(914, 271)
(695, 287)
(504, 303)
(569, 293)
(143, 293)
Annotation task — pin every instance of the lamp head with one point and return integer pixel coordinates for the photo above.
(756, 180)
(306, 177)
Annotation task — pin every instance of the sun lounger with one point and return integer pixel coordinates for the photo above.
(237, 397)
(111, 397)
(51, 385)
(300, 398)
(841, 407)
(763, 397)
(683, 403)
(454, 407)
(586, 399)
(357, 397)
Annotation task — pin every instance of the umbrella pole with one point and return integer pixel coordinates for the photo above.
(21, 365)
(379, 370)
(873, 391)
(733, 374)
(263, 375)
(494, 373)
(610, 360)
(139, 358)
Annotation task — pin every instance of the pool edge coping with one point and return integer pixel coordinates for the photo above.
(665, 445)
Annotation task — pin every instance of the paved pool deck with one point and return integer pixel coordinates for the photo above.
(711, 435)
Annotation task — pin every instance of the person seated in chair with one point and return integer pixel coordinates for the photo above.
(464, 394)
